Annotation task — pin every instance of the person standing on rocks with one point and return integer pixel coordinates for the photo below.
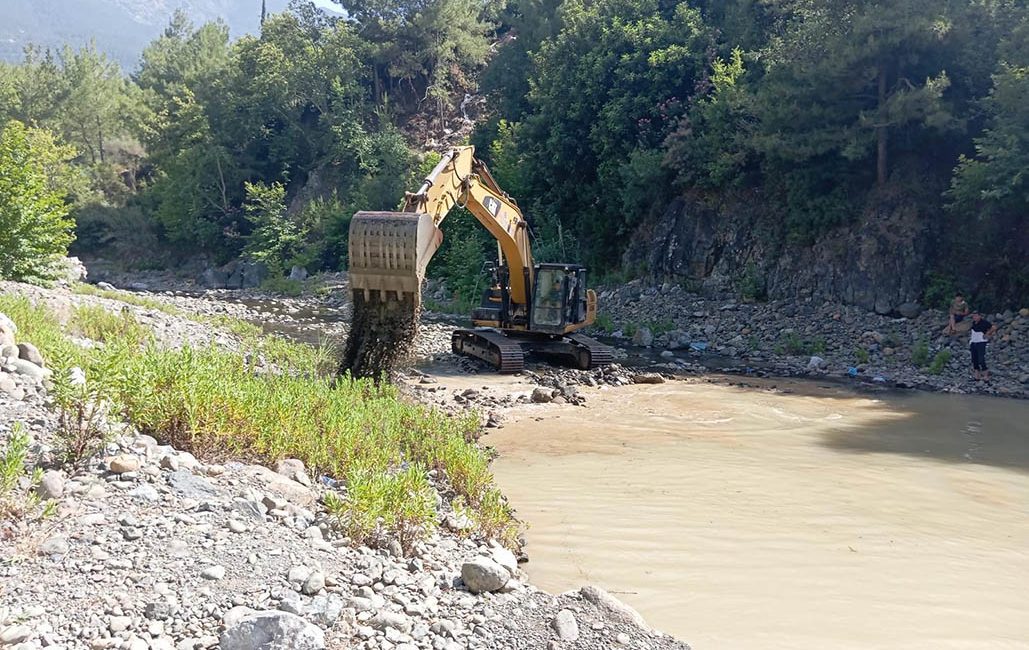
(958, 311)
(979, 335)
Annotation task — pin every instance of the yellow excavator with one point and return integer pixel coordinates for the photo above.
(528, 309)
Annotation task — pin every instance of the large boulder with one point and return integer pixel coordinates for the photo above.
(611, 607)
(237, 274)
(7, 330)
(909, 309)
(483, 574)
(272, 630)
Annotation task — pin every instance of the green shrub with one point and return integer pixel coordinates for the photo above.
(793, 344)
(18, 499)
(861, 355)
(939, 290)
(35, 229)
(283, 286)
(940, 361)
(920, 353)
(752, 285)
(128, 298)
(604, 323)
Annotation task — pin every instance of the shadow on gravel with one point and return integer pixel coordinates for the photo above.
(949, 428)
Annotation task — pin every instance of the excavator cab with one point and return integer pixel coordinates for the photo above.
(560, 301)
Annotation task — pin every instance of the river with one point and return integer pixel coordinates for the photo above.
(810, 517)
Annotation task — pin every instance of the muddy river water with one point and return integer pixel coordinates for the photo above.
(809, 519)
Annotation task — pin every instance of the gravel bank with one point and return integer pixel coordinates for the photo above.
(153, 548)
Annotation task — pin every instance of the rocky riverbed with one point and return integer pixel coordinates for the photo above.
(816, 339)
(150, 547)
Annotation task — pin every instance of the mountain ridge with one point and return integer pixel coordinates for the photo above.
(120, 28)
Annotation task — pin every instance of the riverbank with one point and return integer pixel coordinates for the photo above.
(140, 543)
(815, 339)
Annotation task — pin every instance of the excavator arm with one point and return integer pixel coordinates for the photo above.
(390, 251)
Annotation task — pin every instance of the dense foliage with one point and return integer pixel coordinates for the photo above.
(598, 114)
(34, 226)
(606, 110)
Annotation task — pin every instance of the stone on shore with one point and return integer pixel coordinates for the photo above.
(484, 575)
(612, 607)
(648, 378)
(565, 626)
(272, 630)
(30, 353)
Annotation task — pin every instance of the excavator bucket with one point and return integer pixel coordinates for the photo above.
(389, 252)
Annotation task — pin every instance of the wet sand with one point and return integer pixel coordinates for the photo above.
(749, 518)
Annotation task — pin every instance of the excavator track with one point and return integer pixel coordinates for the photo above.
(504, 354)
(599, 354)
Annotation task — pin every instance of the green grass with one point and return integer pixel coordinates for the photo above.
(940, 362)
(604, 323)
(99, 324)
(211, 401)
(128, 298)
(920, 353)
(18, 499)
(283, 286)
(793, 344)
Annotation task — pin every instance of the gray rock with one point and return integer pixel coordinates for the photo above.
(272, 630)
(145, 493)
(213, 572)
(30, 353)
(105, 286)
(386, 619)
(643, 337)
(483, 574)
(8, 386)
(313, 584)
(7, 325)
(29, 369)
(294, 469)
(235, 615)
(612, 607)
(159, 610)
(14, 634)
(565, 625)
(298, 273)
(325, 610)
(55, 545)
(648, 378)
(291, 602)
(190, 485)
(8, 350)
(51, 486)
(909, 309)
(541, 395)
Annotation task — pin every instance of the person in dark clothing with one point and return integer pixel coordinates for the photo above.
(979, 335)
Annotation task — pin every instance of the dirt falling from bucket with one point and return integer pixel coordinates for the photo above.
(381, 334)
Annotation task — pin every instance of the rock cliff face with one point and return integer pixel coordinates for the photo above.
(736, 245)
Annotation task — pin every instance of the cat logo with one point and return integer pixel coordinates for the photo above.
(492, 205)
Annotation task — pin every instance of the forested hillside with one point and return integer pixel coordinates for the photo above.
(872, 153)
